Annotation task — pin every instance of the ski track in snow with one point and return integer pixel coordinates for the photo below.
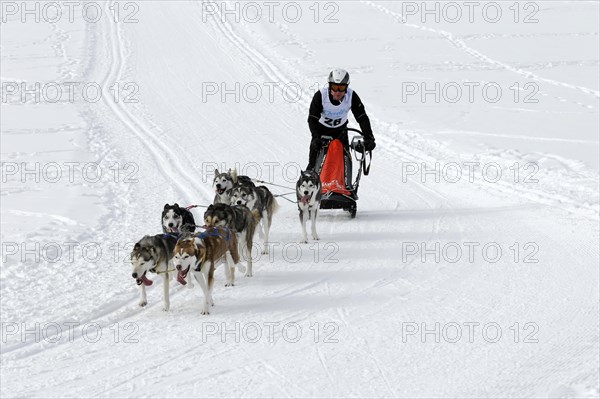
(67, 229)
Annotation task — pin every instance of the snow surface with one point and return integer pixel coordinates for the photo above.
(383, 305)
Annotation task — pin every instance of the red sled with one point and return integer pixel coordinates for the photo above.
(334, 165)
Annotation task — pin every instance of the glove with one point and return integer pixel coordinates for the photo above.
(369, 145)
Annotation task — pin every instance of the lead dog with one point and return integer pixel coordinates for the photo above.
(308, 194)
(201, 254)
(153, 254)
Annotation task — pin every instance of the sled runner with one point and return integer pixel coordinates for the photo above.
(334, 165)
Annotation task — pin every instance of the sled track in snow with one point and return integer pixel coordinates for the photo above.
(170, 166)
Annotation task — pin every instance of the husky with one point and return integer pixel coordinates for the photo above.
(224, 182)
(260, 200)
(308, 194)
(202, 254)
(180, 258)
(153, 254)
(177, 220)
(241, 220)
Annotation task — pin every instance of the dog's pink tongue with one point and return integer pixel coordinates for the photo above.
(305, 200)
(146, 280)
(181, 277)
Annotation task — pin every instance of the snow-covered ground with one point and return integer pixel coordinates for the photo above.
(471, 269)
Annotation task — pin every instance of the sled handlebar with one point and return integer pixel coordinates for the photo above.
(360, 148)
(351, 129)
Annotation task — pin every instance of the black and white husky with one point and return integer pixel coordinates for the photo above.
(224, 182)
(260, 200)
(153, 254)
(177, 220)
(308, 194)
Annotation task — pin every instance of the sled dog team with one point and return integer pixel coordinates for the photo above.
(238, 210)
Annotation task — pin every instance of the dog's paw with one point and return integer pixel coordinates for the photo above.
(165, 308)
(143, 303)
(304, 240)
(248, 274)
(265, 251)
(229, 285)
(315, 237)
(204, 312)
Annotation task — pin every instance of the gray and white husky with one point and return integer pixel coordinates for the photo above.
(224, 182)
(153, 254)
(260, 200)
(308, 194)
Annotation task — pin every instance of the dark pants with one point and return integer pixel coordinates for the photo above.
(316, 143)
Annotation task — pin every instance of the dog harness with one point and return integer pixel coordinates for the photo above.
(214, 232)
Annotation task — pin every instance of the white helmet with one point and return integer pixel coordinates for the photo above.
(339, 77)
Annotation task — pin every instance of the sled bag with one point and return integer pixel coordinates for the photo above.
(332, 173)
